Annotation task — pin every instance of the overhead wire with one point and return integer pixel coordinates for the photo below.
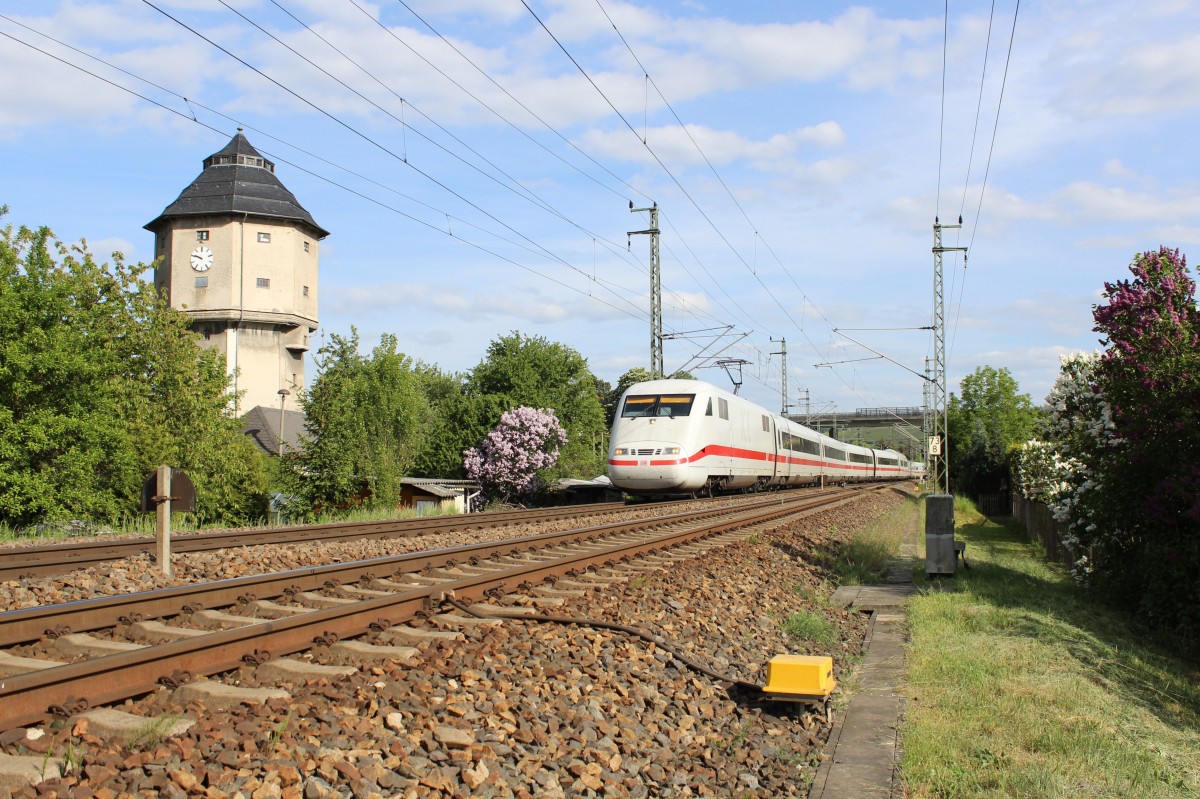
(942, 115)
(515, 99)
(662, 165)
(354, 130)
(610, 286)
(507, 93)
(696, 144)
(311, 173)
(987, 47)
(405, 161)
(717, 175)
(991, 148)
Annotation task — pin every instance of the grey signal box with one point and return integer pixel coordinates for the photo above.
(941, 558)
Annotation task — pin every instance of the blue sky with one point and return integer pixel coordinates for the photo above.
(798, 195)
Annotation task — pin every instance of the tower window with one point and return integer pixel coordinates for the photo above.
(306, 246)
(304, 290)
(263, 282)
(264, 238)
(201, 235)
(202, 282)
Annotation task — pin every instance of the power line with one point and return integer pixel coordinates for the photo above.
(295, 165)
(716, 174)
(507, 93)
(665, 169)
(987, 170)
(942, 115)
(1003, 82)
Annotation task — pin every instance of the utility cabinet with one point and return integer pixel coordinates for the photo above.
(941, 557)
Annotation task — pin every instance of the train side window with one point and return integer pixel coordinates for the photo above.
(709, 411)
(723, 408)
(766, 424)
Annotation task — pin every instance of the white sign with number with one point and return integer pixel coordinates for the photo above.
(935, 445)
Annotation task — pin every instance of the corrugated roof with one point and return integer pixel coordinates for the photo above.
(237, 179)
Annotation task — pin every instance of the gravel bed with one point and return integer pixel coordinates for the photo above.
(141, 573)
(524, 709)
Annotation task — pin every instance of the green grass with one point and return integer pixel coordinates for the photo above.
(1023, 686)
(864, 556)
(804, 624)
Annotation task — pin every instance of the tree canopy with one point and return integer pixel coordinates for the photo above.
(101, 381)
(367, 419)
(985, 423)
(538, 373)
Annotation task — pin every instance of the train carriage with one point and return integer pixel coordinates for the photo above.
(688, 436)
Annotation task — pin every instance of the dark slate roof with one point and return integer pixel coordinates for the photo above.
(262, 425)
(238, 180)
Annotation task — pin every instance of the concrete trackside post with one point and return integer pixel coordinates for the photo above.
(163, 549)
(940, 555)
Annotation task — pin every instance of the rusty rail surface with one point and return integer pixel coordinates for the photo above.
(515, 565)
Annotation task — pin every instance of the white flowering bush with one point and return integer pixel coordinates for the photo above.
(507, 462)
(1061, 472)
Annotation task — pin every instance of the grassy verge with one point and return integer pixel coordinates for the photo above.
(1022, 686)
(863, 556)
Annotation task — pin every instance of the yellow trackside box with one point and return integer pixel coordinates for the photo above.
(800, 676)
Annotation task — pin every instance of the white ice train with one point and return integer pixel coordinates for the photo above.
(690, 437)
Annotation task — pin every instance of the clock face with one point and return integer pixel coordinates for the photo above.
(202, 258)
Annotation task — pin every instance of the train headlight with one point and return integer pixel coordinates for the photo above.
(622, 451)
(670, 450)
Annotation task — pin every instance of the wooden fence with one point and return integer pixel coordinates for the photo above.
(996, 504)
(1038, 520)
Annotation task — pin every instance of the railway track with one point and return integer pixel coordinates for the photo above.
(113, 648)
(51, 559)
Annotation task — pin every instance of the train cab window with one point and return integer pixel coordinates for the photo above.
(668, 405)
(723, 408)
(708, 411)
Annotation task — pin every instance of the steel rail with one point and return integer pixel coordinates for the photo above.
(24, 699)
(50, 559)
(29, 624)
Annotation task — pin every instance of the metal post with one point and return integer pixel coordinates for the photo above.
(283, 395)
(941, 470)
(783, 376)
(656, 335)
(163, 534)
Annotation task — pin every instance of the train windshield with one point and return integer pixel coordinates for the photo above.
(669, 405)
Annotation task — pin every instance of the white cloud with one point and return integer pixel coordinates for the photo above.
(677, 146)
(1084, 201)
(1113, 168)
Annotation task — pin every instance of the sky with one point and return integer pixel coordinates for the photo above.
(475, 162)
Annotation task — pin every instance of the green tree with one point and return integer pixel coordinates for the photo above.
(365, 425)
(100, 381)
(985, 424)
(539, 373)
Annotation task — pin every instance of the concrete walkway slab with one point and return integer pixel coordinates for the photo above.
(864, 746)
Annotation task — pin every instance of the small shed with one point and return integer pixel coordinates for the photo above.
(429, 495)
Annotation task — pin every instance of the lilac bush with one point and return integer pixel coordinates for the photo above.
(507, 462)
(1125, 427)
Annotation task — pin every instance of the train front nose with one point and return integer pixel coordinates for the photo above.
(648, 466)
